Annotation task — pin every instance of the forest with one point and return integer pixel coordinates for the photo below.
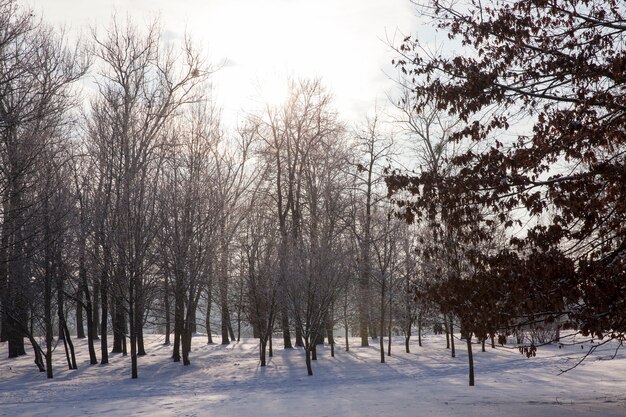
(487, 204)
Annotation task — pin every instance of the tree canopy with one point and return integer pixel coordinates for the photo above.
(539, 85)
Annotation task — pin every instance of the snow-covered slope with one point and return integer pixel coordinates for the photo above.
(227, 381)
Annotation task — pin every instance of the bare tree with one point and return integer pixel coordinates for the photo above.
(37, 71)
(188, 219)
(374, 150)
(141, 85)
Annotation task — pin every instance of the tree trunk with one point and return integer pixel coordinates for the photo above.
(166, 307)
(208, 315)
(470, 358)
(382, 323)
(133, 322)
(271, 349)
(186, 344)
(48, 317)
(299, 338)
(364, 313)
(119, 327)
(225, 315)
(179, 320)
(329, 332)
(407, 338)
(12, 266)
(80, 329)
(389, 326)
(309, 369)
(223, 287)
(63, 330)
(230, 331)
(284, 321)
(373, 329)
(419, 333)
(93, 360)
(453, 352)
(104, 302)
(38, 353)
(95, 312)
(345, 320)
(139, 303)
(82, 273)
(193, 328)
(262, 347)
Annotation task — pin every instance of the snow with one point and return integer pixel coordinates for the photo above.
(228, 381)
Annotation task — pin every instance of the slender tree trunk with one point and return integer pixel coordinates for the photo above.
(364, 312)
(119, 326)
(4, 276)
(38, 353)
(447, 330)
(230, 331)
(80, 329)
(93, 360)
(382, 323)
(299, 338)
(186, 344)
(179, 320)
(223, 288)
(284, 321)
(208, 314)
(48, 317)
(345, 320)
(329, 332)
(389, 339)
(470, 358)
(271, 348)
(133, 322)
(419, 333)
(139, 303)
(13, 264)
(63, 329)
(104, 302)
(262, 348)
(407, 338)
(82, 272)
(69, 347)
(193, 327)
(389, 325)
(373, 328)
(166, 307)
(453, 352)
(309, 368)
(238, 325)
(95, 312)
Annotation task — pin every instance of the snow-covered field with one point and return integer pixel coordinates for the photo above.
(228, 381)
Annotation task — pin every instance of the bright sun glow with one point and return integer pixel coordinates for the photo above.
(273, 89)
(261, 44)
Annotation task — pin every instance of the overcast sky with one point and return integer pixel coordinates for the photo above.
(263, 42)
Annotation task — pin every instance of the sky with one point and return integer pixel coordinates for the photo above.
(258, 44)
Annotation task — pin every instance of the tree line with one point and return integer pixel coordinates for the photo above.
(128, 206)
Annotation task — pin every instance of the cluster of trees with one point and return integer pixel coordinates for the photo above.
(541, 136)
(129, 206)
(126, 205)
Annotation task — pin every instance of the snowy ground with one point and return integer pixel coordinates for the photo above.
(227, 381)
